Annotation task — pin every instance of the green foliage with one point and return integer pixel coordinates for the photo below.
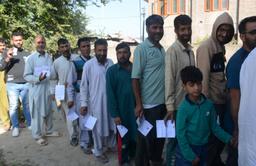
(50, 18)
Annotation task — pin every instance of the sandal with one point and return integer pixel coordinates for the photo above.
(53, 134)
(41, 142)
(102, 158)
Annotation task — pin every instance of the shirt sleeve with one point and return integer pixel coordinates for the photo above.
(232, 74)
(84, 87)
(203, 59)
(170, 75)
(216, 129)
(29, 72)
(111, 95)
(186, 150)
(53, 78)
(138, 63)
(72, 78)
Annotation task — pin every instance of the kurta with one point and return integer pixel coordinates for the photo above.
(60, 70)
(247, 113)
(4, 105)
(93, 95)
(39, 91)
(120, 98)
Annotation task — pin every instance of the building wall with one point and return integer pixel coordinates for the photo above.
(202, 21)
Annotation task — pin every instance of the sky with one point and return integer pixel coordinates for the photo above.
(116, 16)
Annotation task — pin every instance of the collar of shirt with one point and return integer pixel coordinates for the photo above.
(119, 67)
(184, 48)
(150, 44)
(85, 59)
(41, 55)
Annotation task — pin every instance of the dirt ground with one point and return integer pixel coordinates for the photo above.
(23, 150)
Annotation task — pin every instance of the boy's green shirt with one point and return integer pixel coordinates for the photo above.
(194, 123)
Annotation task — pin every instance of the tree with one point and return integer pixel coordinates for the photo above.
(51, 18)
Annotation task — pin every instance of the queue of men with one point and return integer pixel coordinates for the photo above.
(151, 88)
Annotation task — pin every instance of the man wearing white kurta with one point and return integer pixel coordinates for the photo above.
(247, 112)
(94, 99)
(59, 73)
(37, 73)
(73, 88)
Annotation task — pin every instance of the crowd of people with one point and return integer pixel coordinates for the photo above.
(196, 91)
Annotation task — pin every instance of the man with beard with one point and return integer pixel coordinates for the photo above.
(59, 73)
(94, 100)
(148, 88)
(17, 87)
(247, 30)
(178, 56)
(73, 89)
(211, 61)
(121, 102)
(4, 105)
(37, 73)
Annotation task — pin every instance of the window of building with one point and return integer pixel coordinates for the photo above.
(174, 6)
(214, 5)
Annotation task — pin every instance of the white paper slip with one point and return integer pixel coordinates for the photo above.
(89, 122)
(165, 131)
(144, 126)
(59, 92)
(72, 115)
(170, 129)
(42, 69)
(14, 51)
(122, 130)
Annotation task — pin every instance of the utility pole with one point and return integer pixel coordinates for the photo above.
(143, 23)
(140, 18)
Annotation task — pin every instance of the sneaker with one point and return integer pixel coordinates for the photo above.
(29, 128)
(15, 132)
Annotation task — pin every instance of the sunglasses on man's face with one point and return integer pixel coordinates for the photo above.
(252, 32)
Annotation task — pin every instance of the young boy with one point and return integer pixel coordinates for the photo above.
(196, 119)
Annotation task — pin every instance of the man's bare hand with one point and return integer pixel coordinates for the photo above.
(196, 162)
(9, 55)
(70, 104)
(42, 76)
(117, 120)
(169, 116)
(138, 110)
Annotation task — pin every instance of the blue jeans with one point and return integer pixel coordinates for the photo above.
(16, 92)
(200, 151)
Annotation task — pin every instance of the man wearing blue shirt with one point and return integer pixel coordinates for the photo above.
(247, 30)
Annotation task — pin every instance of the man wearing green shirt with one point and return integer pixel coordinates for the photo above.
(121, 102)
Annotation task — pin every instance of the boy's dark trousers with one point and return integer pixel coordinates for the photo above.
(149, 148)
(199, 150)
(215, 146)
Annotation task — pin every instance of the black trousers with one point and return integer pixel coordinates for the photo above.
(150, 148)
(215, 146)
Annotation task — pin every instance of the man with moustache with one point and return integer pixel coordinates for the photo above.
(121, 102)
(73, 88)
(247, 30)
(148, 88)
(17, 87)
(59, 73)
(94, 100)
(37, 73)
(211, 61)
(178, 56)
